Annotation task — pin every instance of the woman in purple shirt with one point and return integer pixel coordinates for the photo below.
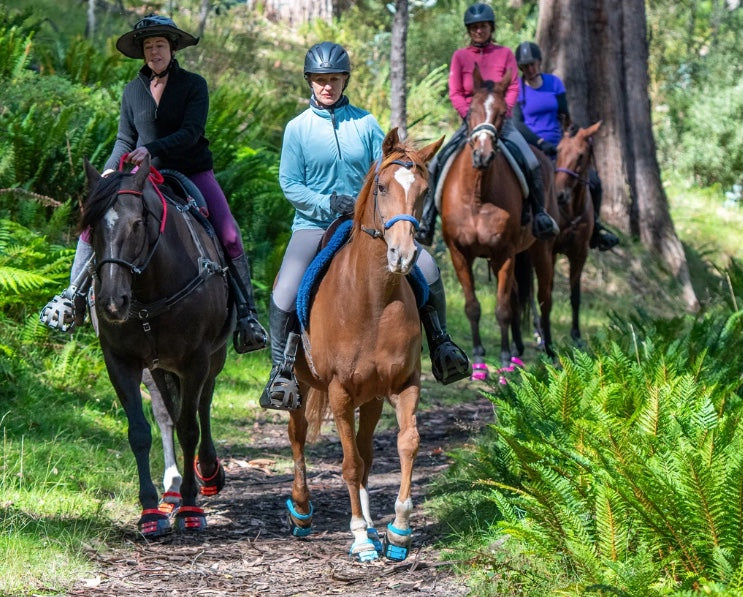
(541, 114)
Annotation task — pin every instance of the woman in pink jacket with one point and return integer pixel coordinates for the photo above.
(493, 62)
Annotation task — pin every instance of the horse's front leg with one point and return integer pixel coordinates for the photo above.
(341, 404)
(126, 378)
(463, 268)
(398, 538)
(171, 499)
(544, 267)
(210, 475)
(299, 506)
(576, 271)
(369, 414)
(504, 312)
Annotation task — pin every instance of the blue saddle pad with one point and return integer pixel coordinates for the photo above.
(320, 264)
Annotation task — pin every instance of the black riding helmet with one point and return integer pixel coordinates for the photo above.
(528, 52)
(479, 13)
(327, 57)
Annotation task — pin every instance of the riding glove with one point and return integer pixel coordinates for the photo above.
(342, 204)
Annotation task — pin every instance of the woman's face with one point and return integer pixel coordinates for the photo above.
(531, 71)
(157, 54)
(480, 33)
(328, 88)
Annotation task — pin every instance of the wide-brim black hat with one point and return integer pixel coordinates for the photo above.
(130, 44)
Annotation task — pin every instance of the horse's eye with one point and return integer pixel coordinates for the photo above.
(381, 188)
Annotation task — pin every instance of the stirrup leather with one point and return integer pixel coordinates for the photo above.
(449, 363)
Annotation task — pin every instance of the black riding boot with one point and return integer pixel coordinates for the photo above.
(449, 363)
(543, 226)
(602, 238)
(282, 390)
(67, 310)
(428, 218)
(249, 334)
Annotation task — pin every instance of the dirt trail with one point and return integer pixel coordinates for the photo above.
(246, 549)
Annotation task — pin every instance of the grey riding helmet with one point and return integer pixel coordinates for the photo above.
(528, 52)
(479, 13)
(325, 58)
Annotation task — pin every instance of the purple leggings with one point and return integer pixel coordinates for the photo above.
(219, 214)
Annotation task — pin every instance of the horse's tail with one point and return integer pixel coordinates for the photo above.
(317, 409)
(524, 285)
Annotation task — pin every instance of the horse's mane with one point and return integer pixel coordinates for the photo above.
(101, 198)
(399, 152)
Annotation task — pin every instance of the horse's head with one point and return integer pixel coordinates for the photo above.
(486, 116)
(124, 234)
(573, 161)
(392, 198)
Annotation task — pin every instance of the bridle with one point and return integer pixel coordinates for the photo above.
(386, 225)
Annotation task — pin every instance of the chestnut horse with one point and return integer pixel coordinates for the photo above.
(362, 344)
(162, 303)
(481, 216)
(576, 219)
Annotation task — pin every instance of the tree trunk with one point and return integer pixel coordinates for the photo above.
(203, 14)
(295, 12)
(599, 49)
(398, 76)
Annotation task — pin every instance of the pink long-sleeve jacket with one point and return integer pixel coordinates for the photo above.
(493, 61)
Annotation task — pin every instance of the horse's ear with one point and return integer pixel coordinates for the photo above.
(429, 151)
(505, 81)
(476, 77)
(91, 173)
(390, 141)
(143, 171)
(591, 130)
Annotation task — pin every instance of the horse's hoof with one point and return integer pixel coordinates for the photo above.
(479, 372)
(373, 536)
(190, 518)
(300, 525)
(210, 485)
(400, 549)
(153, 523)
(364, 551)
(170, 503)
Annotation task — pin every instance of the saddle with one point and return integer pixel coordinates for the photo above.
(335, 237)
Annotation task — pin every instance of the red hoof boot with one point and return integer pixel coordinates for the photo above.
(153, 523)
(170, 503)
(209, 485)
(190, 518)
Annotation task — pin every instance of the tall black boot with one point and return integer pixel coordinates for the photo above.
(249, 334)
(67, 310)
(602, 238)
(543, 226)
(282, 390)
(428, 219)
(449, 363)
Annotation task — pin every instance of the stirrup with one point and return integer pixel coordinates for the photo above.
(59, 313)
(281, 391)
(603, 239)
(249, 334)
(449, 363)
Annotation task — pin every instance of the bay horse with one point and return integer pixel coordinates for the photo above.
(363, 344)
(162, 303)
(575, 218)
(481, 216)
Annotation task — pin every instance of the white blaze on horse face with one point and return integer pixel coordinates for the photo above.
(489, 107)
(405, 178)
(110, 218)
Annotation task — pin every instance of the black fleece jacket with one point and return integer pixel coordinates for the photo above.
(173, 132)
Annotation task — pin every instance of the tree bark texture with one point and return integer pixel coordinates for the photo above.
(599, 49)
(398, 73)
(296, 12)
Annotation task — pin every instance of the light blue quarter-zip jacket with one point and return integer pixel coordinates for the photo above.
(326, 151)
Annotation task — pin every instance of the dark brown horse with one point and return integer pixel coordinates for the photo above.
(162, 303)
(481, 214)
(363, 344)
(575, 218)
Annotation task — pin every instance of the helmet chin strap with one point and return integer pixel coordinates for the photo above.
(162, 74)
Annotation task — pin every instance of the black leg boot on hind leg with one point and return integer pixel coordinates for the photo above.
(543, 227)
(449, 363)
(282, 390)
(249, 334)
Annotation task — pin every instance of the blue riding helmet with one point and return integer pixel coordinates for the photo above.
(479, 13)
(326, 57)
(130, 44)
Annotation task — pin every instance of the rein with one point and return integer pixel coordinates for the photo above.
(375, 232)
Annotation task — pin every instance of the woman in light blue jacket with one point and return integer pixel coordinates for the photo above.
(326, 154)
